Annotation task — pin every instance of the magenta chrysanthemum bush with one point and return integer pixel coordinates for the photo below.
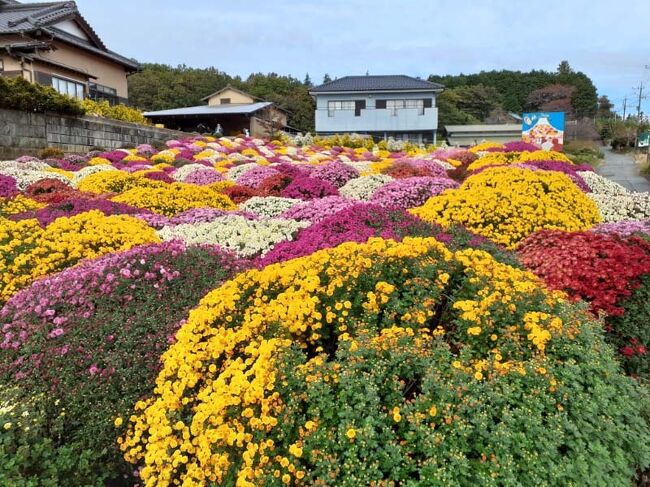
(411, 192)
(624, 228)
(308, 188)
(90, 337)
(254, 177)
(354, 224)
(75, 206)
(335, 173)
(315, 210)
(203, 177)
(8, 188)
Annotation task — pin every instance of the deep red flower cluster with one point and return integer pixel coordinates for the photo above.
(601, 269)
(52, 191)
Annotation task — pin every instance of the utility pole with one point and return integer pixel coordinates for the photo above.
(624, 107)
(638, 106)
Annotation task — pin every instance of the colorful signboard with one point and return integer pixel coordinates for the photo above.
(545, 129)
(644, 139)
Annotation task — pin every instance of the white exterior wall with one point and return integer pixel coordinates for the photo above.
(376, 120)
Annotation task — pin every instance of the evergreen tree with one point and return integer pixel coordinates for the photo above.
(307, 82)
(326, 78)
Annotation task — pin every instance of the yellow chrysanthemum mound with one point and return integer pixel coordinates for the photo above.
(18, 204)
(217, 414)
(115, 182)
(175, 198)
(28, 252)
(483, 146)
(505, 158)
(508, 204)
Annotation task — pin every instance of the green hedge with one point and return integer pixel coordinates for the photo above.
(20, 94)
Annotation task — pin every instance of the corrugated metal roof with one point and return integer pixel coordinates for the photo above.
(376, 83)
(233, 109)
(505, 127)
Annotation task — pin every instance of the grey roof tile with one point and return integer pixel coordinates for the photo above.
(229, 109)
(376, 83)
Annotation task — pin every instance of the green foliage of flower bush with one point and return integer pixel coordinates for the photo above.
(93, 338)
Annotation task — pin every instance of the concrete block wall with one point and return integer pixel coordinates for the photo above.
(24, 133)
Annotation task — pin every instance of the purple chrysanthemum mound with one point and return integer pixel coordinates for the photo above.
(254, 177)
(74, 206)
(335, 173)
(204, 177)
(624, 228)
(411, 192)
(354, 224)
(8, 188)
(159, 176)
(308, 188)
(318, 209)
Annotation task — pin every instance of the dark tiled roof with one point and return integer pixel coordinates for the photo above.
(16, 18)
(376, 83)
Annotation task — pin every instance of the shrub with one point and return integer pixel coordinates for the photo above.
(20, 94)
(8, 188)
(116, 112)
(97, 331)
(610, 273)
(172, 199)
(388, 362)
(508, 204)
(29, 252)
(308, 188)
(51, 153)
(411, 192)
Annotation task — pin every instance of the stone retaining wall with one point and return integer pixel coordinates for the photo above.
(27, 133)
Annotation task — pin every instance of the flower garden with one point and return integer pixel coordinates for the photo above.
(245, 312)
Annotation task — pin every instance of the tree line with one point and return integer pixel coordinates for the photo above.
(487, 96)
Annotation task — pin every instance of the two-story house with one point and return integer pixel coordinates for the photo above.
(52, 44)
(396, 106)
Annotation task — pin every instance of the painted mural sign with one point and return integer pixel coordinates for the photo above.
(545, 129)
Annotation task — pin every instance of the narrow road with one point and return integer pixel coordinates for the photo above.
(621, 169)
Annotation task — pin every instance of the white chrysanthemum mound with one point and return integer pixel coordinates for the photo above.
(600, 185)
(245, 237)
(183, 172)
(88, 170)
(234, 172)
(268, 206)
(363, 188)
(618, 207)
(26, 173)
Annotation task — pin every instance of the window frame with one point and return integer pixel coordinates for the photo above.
(67, 86)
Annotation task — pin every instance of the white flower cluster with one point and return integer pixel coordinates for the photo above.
(363, 188)
(360, 166)
(618, 207)
(245, 237)
(268, 206)
(182, 172)
(88, 170)
(444, 164)
(234, 172)
(601, 185)
(26, 173)
(303, 140)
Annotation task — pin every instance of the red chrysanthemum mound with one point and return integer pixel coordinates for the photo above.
(601, 269)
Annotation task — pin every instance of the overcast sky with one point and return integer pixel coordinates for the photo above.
(608, 40)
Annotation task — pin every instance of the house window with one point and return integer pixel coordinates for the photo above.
(333, 106)
(101, 92)
(224, 101)
(395, 105)
(70, 88)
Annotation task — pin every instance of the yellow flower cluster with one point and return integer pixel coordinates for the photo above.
(166, 156)
(483, 146)
(115, 182)
(508, 204)
(29, 252)
(504, 158)
(216, 411)
(18, 204)
(171, 199)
